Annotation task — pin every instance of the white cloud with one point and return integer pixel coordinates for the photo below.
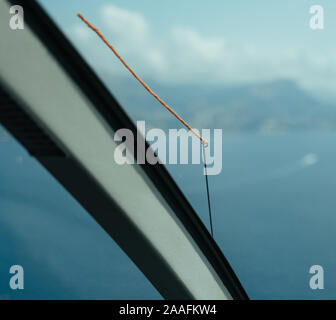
(82, 33)
(184, 55)
(126, 26)
(157, 59)
(207, 49)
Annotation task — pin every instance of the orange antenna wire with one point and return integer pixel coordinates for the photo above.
(90, 25)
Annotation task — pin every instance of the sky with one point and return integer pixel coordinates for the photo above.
(216, 43)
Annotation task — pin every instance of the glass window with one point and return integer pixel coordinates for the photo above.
(263, 74)
(64, 253)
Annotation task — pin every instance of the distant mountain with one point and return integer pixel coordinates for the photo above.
(278, 106)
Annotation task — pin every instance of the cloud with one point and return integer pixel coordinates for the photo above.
(184, 55)
(82, 33)
(203, 48)
(126, 26)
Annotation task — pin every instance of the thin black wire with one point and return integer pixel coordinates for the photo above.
(207, 189)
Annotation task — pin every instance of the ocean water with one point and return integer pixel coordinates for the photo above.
(64, 252)
(273, 212)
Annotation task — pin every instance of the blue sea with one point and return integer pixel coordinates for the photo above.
(273, 213)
